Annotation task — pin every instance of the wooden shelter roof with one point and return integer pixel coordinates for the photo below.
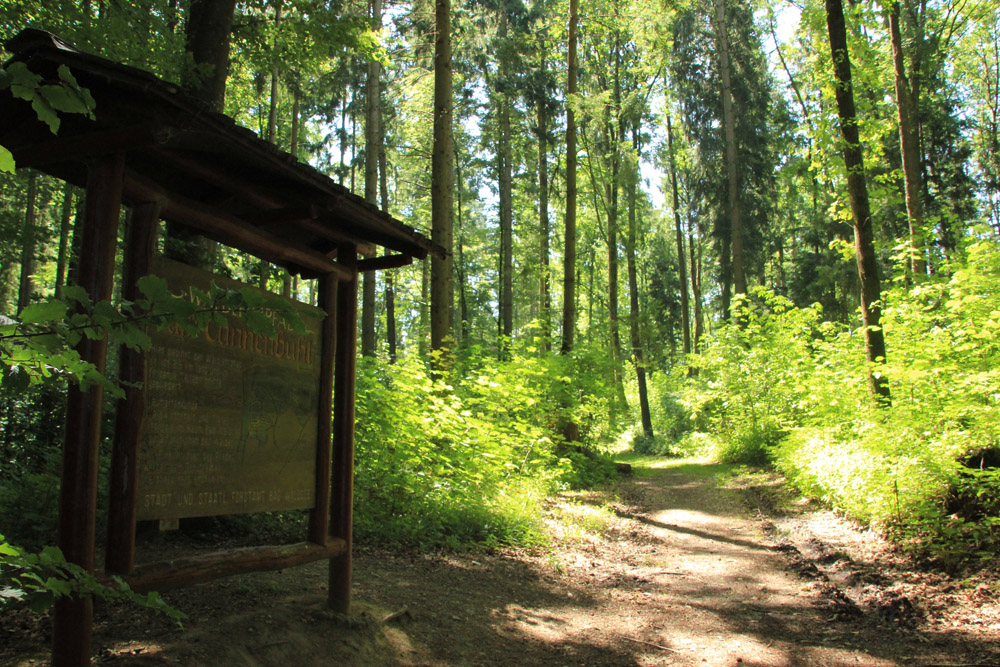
(203, 169)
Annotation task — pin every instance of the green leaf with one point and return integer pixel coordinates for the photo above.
(77, 294)
(45, 113)
(259, 322)
(41, 602)
(53, 310)
(153, 287)
(15, 379)
(6, 160)
(66, 76)
(62, 98)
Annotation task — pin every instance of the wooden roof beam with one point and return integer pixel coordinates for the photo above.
(384, 262)
(81, 146)
(256, 197)
(232, 230)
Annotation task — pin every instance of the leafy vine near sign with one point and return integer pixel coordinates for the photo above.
(48, 98)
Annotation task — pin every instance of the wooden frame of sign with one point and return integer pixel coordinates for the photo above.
(156, 150)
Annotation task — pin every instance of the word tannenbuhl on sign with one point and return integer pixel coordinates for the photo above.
(230, 419)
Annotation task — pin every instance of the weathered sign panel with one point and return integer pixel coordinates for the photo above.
(230, 419)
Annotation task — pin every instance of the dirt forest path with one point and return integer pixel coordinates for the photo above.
(679, 569)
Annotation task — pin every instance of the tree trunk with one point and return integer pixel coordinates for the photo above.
(425, 307)
(739, 282)
(442, 182)
(463, 300)
(390, 288)
(569, 251)
(864, 243)
(293, 140)
(373, 136)
(616, 132)
(505, 178)
(682, 263)
(545, 314)
(272, 109)
(206, 35)
(29, 237)
(699, 322)
(633, 301)
(65, 222)
(909, 144)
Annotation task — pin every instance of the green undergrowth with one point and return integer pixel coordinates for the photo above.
(787, 389)
(469, 463)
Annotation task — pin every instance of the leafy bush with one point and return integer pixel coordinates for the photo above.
(466, 463)
(38, 579)
(780, 385)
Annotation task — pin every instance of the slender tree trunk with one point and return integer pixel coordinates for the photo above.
(909, 144)
(29, 237)
(864, 242)
(699, 322)
(545, 314)
(389, 281)
(732, 175)
(263, 274)
(506, 195)
(616, 131)
(373, 136)
(272, 109)
(682, 263)
(272, 123)
(442, 181)
(460, 274)
(293, 140)
(343, 138)
(633, 300)
(354, 151)
(569, 250)
(506, 231)
(65, 222)
(425, 307)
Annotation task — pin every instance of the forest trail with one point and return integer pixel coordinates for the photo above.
(679, 568)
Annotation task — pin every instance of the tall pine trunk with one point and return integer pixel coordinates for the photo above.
(65, 222)
(857, 189)
(442, 181)
(569, 250)
(638, 355)
(735, 237)
(29, 239)
(615, 132)
(372, 139)
(390, 286)
(682, 263)
(543, 229)
(909, 144)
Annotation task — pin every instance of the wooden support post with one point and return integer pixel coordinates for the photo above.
(122, 492)
(73, 616)
(341, 519)
(319, 517)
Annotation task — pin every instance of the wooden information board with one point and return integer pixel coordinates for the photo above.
(230, 419)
